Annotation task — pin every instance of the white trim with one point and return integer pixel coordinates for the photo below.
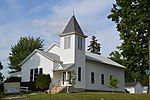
(15, 74)
(50, 47)
(33, 54)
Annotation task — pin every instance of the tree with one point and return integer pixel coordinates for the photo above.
(94, 46)
(113, 82)
(133, 22)
(13, 79)
(1, 76)
(42, 81)
(72, 80)
(116, 56)
(24, 47)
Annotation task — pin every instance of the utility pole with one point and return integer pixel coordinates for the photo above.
(149, 53)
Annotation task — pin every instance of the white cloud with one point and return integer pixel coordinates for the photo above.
(50, 25)
(82, 7)
(91, 15)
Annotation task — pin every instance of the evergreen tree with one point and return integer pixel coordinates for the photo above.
(1, 76)
(94, 46)
(133, 22)
(24, 47)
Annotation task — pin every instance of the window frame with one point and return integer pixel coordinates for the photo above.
(79, 73)
(67, 42)
(110, 77)
(35, 73)
(92, 77)
(80, 45)
(31, 75)
(102, 79)
(40, 71)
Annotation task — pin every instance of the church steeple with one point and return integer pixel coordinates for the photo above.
(72, 49)
(72, 42)
(73, 27)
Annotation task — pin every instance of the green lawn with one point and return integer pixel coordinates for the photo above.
(88, 96)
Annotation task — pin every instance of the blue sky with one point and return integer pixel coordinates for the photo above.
(47, 19)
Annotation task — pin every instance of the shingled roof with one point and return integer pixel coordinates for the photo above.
(101, 59)
(131, 84)
(72, 27)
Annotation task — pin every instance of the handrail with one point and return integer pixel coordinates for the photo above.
(24, 89)
(57, 83)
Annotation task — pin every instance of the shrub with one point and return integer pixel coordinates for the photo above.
(13, 79)
(2, 94)
(42, 81)
(1, 87)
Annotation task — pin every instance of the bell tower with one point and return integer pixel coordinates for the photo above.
(72, 49)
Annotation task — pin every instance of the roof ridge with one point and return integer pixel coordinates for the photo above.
(73, 26)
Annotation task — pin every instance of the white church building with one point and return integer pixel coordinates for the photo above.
(93, 71)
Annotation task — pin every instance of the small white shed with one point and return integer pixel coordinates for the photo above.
(12, 87)
(145, 89)
(134, 87)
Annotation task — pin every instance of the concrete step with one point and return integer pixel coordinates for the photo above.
(58, 89)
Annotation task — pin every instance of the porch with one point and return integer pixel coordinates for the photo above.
(60, 78)
(61, 75)
(59, 82)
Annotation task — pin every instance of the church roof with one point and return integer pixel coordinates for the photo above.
(101, 59)
(72, 27)
(50, 56)
(63, 66)
(131, 84)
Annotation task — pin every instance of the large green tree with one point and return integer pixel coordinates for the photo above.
(133, 22)
(94, 46)
(22, 49)
(1, 76)
(116, 56)
(130, 76)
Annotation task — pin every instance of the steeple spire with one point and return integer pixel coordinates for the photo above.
(72, 27)
(73, 11)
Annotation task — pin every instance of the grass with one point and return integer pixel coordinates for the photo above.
(88, 96)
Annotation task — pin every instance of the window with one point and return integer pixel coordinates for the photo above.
(35, 72)
(79, 73)
(67, 42)
(69, 73)
(41, 71)
(79, 43)
(31, 74)
(102, 79)
(111, 77)
(92, 77)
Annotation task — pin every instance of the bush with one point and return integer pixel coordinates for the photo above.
(13, 79)
(1, 87)
(30, 85)
(42, 81)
